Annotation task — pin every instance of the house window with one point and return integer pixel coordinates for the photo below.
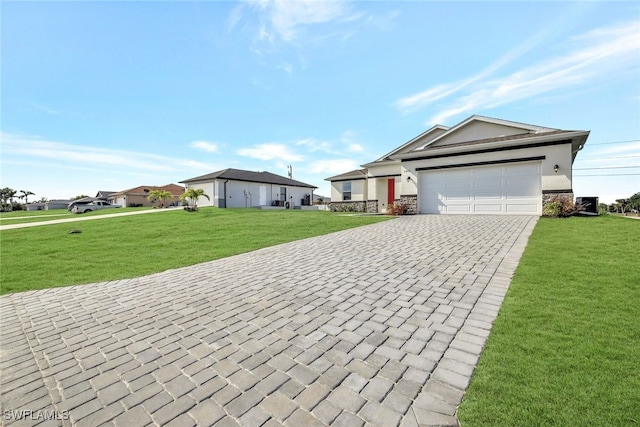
(346, 190)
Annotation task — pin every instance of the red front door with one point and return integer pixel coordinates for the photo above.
(391, 191)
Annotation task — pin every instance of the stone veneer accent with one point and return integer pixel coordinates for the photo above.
(411, 200)
(372, 206)
(348, 206)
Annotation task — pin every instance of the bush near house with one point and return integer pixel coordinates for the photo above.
(398, 209)
(561, 207)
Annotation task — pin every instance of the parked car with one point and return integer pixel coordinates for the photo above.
(93, 206)
(73, 204)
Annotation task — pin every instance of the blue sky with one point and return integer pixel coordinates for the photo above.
(112, 95)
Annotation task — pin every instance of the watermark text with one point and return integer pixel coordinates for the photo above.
(39, 415)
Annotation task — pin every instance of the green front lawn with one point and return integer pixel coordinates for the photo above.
(19, 217)
(565, 348)
(129, 246)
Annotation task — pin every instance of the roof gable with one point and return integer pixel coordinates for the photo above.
(419, 141)
(481, 128)
(348, 176)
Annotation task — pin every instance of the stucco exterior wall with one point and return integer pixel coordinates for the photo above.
(479, 130)
(138, 200)
(244, 194)
(209, 190)
(358, 190)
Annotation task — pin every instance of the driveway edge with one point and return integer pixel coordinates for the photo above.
(443, 392)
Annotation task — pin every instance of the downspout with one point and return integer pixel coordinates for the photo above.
(225, 193)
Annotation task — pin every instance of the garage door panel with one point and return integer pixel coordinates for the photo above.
(486, 188)
(461, 208)
(522, 186)
(488, 172)
(495, 189)
(493, 208)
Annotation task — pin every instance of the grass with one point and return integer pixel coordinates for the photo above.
(565, 348)
(19, 217)
(129, 246)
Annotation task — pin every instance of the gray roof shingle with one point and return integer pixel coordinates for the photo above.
(249, 176)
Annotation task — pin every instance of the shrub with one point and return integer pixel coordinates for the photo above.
(603, 209)
(561, 207)
(398, 209)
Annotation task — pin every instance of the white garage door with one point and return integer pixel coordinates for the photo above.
(495, 189)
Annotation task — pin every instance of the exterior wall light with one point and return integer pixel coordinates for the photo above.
(555, 168)
(408, 178)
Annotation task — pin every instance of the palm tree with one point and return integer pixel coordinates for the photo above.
(193, 194)
(25, 195)
(7, 195)
(162, 195)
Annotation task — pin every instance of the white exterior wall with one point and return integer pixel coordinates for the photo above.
(359, 190)
(555, 154)
(209, 190)
(479, 130)
(336, 191)
(241, 194)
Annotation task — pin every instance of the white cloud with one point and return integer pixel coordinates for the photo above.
(420, 100)
(333, 167)
(45, 109)
(69, 155)
(600, 53)
(55, 169)
(355, 148)
(270, 152)
(313, 145)
(631, 148)
(211, 147)
(344, 143)
(347, 138)
(281, 29)
(285, 19)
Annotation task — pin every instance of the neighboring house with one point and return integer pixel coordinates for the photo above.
(56, 204)
(236, 188)
(479, 166)
(139, 196)
(104, 195)
(36, 206)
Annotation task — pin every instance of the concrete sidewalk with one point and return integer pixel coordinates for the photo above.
(79, 217)
(380, 325)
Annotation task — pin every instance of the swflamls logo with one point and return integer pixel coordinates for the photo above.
(39, 415)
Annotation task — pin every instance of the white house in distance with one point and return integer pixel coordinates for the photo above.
(479, 166)
(236, 188)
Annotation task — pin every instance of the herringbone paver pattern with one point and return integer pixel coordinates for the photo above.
(379, 326)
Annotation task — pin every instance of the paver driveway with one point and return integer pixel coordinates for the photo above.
(380, 325)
